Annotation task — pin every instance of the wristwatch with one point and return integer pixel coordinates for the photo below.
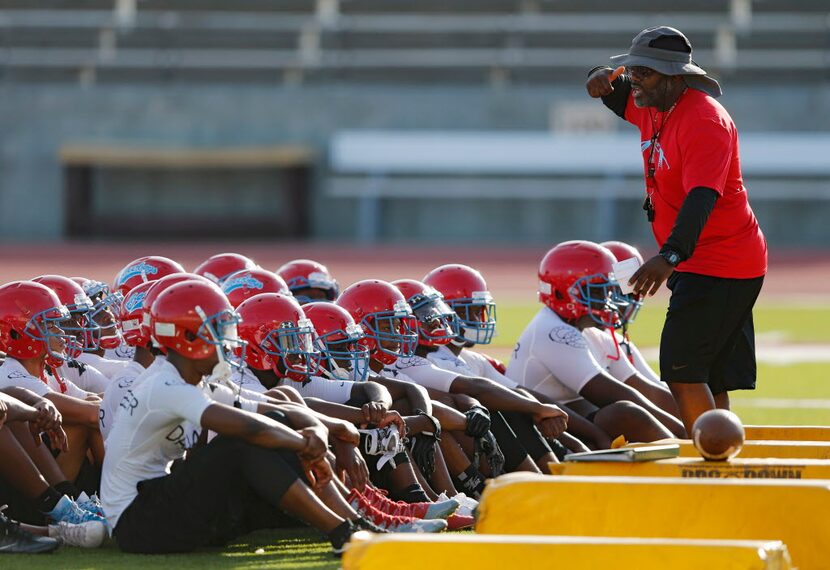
(671, 257)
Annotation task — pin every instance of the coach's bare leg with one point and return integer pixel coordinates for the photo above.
(302, 503)
(632, 421)
(722, 400)
(693, 399)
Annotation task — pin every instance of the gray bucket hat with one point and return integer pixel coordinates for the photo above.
(668, 51)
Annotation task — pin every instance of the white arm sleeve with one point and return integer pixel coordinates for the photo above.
(484, 368)
(425, 373)
(27, 381)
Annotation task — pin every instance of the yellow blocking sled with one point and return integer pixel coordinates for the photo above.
(793, 511)
(788, 433)
(368, 551)
(690, 467)
(754, 449)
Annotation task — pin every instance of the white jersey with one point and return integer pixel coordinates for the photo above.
(553, 358)
(246, 380)
(611, 356)
(335, 391)
(109, 367)
(469, 363)
(116, 394)
(84, 376)
(147, 438)
(123, 352)
(13, 374)
(421, 371)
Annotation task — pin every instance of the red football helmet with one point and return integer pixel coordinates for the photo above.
(131, 314)
(279, 336)
(303, 275)
(385, 316)
(30, 316)
(147, 268)
(245, 284)
(435, 320)
(465, 290)
(194, 319)
(341, 341)
(79, 325)
(629, 303)
(158, 287)
(106, 306)
(218, 267)
(576, 279)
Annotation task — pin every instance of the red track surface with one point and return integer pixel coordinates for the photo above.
(510, 272)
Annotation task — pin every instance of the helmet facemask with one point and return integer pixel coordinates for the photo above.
(219, 330)
(45, 327)
(436, 320)
(292, 350)
(392, 333)
(344, 354)
(476, 318)
(596, 295)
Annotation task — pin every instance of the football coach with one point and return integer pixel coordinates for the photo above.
(713, 254)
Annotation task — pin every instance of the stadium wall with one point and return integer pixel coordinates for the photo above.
(39, 118)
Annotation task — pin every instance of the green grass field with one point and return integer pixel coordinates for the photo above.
(302, 548)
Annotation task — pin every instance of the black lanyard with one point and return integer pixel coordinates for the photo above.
(651, 183)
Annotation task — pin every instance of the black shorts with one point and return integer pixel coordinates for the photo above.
(223, 490)
(709, 336)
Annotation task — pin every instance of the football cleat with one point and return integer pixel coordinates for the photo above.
(86, 535)
(68, 511)
(15, 540)
(91, 504)
(394, 523)
(457, 522)
(437, 510)
(468, 504)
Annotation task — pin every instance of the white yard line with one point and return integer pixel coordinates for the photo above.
(780, 403)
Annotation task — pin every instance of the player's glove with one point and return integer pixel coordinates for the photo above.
(478, 421)
(423, 445)
(488, 446)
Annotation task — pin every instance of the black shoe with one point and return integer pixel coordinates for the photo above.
(15, 540)
(366, 524)
(340, 536)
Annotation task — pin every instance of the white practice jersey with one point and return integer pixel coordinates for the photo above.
(12, 374)
(469, 363)
(109, 367)
(421, 371)
(84, 376)
(149, 436)
(246, 379)
(118, 394)
(553, 358)
(335, 391)
(123, 352)
(615, 358)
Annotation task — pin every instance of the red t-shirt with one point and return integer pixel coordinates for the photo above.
(698, 146)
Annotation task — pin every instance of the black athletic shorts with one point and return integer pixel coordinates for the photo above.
(215, 495)
(709, 336)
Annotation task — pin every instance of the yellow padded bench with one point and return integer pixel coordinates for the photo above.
(793, 511)
(765, 468)
(451, 551)
(788, 433)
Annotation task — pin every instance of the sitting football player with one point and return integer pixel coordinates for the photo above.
(31, 337)
(633, 369)
(553, 360)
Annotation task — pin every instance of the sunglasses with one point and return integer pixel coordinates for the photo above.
(640, 71)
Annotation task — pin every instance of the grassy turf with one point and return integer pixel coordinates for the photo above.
(300, 548)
